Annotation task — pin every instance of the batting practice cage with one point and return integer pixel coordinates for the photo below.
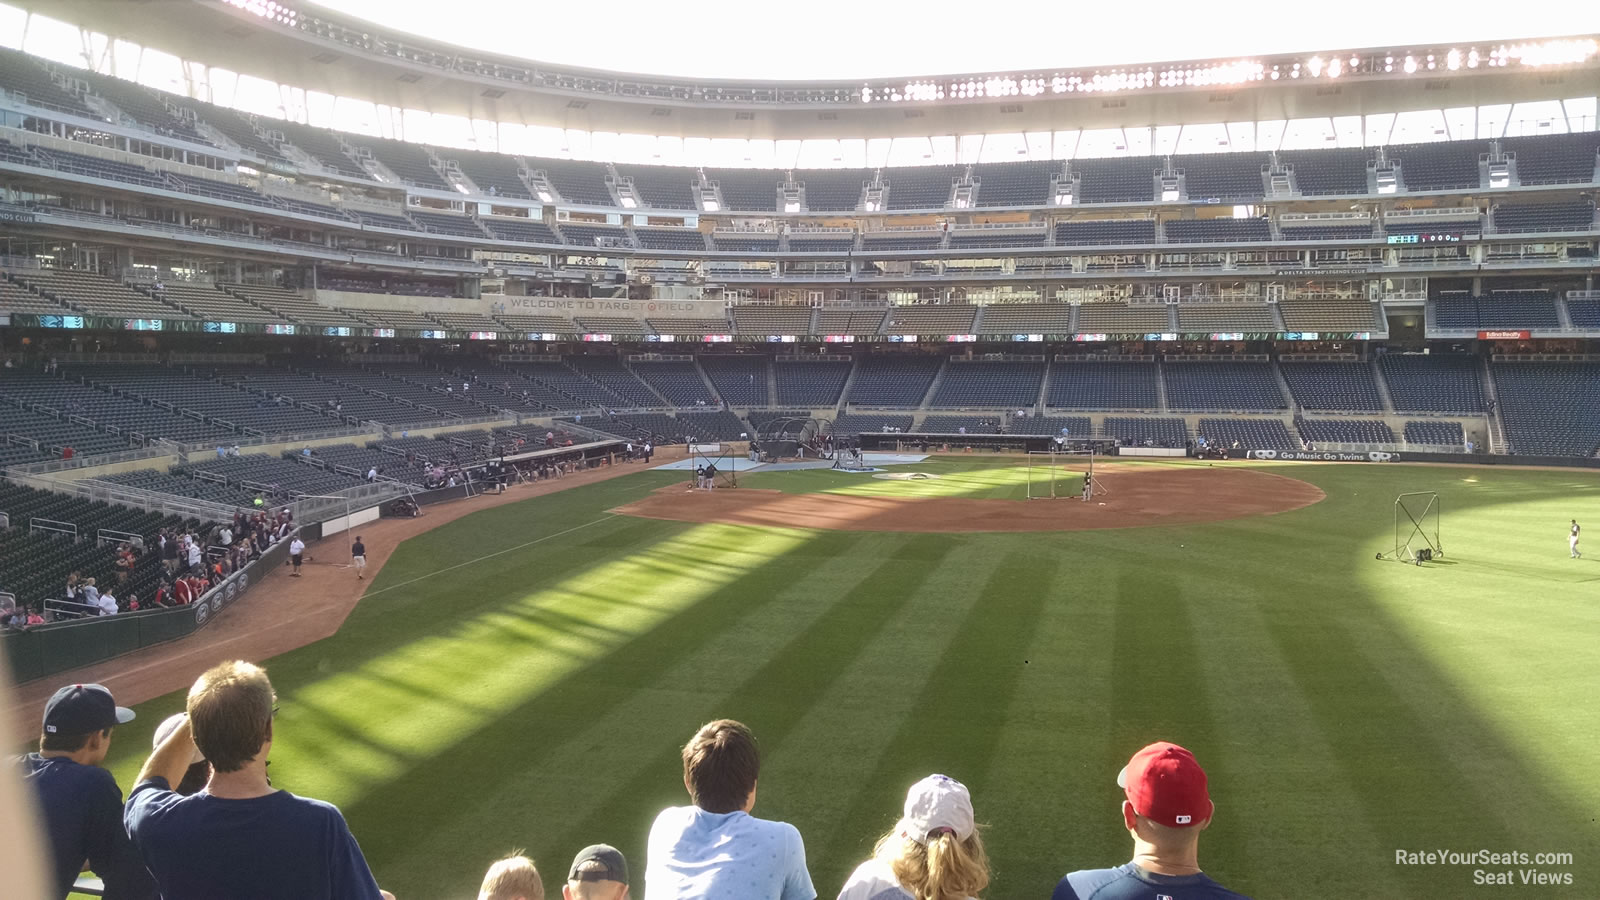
(1062, 475)
(1417, 517)
(782, 438)
(717, 456)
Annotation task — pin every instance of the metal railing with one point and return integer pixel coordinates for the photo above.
(150, 501)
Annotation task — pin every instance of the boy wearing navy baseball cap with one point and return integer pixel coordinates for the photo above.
(81, 802)
(1167, 804)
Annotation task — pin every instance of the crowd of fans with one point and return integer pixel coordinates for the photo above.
(193, 561)
(203, 820)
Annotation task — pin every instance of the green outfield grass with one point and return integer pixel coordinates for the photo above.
(1345, 708)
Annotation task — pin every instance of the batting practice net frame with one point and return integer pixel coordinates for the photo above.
(1418, 517)
(1049, 477)
(722, 459)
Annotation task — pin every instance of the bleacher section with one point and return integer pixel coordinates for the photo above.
(856, 423)
(849, 321)
(616, 377)
(1249, 434)
(884, 241)
(764, 320)
(1198, 231)
(1554, 158)
(741, 380)
(662, 187)
(291, 305)
(1223, 177)
(809, 385)
(1296, 232)
(1027, 318)
(1448, 166)
(1006, 385)
(17, 298)
(576, 181)
(679, 382)
(1584, 312)
(832, 190)
(1025, 183)
(1342, 171)
(26, 76)
(444, 223)
(1576, 215)
(1329, 314)
(1242, 386)
(1121, 318)
(1441, 434)
(1550, 408)
(1051, 425)
(670, 239)
(1106, 232)
(611, 325)
(1103, 385)
(1341, 386)
(997, 238)
(930, 320)
(494, 173)
(35, 565)
(746, 190)
(1433, 383)
(1127, 180)
(384, 220)
(1154, 431)
(1215, 317)
(891, 381)
(95, 294)
(594, 235)
(1345, 431)
(979, 424)
(1503, 309)
(321, 145)
(713, 425)
(525, 230)
(204, 301)
(921, 187)
(745, 243)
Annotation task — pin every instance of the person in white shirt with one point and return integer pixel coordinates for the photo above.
(933, 852)
(194, 554)
(107, 604)
(297, 549)
(225, 536)
(714, 849)
(1572, 540)
(88, 594)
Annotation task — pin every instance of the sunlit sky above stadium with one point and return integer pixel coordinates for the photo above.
(844, 39)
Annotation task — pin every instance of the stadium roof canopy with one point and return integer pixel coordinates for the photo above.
(292, 58)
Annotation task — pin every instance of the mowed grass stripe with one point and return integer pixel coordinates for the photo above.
(842, 737)
(959, 716)
(647, 695)
(806, 659)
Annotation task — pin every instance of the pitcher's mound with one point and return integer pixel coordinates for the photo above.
(1134, 496)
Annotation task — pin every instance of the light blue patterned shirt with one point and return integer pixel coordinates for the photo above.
(697, 855)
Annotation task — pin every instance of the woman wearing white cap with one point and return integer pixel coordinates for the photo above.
(933, 852)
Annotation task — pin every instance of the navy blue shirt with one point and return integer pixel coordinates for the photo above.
(82, 808)
(1129, 882)
(276, 847)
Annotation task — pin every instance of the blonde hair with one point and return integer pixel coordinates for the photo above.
(946, 868)
(512, 878)
(230, 711)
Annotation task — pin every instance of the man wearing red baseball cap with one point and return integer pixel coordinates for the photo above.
(1167, 807)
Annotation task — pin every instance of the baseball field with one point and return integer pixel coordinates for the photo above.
(523, 677)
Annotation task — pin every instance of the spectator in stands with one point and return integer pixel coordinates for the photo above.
(224, 536)
(512, 878)
(73, 588)
(195, 557)
(372, 474)
(240, 836)
(89, 595)
(124, 563)
(81, 802)
(1167, 805)
(164, 594)
(34, 618)
(67, 452)
(714, 849)
(107, 603)
(221, 451)
(933, 853)
(598, 873)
